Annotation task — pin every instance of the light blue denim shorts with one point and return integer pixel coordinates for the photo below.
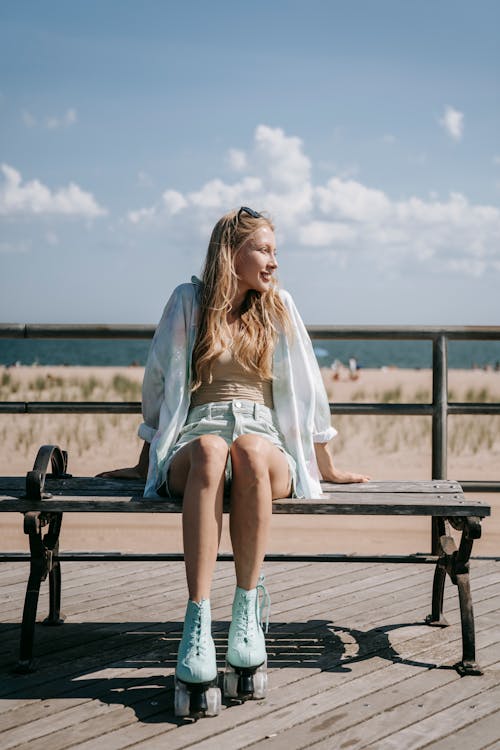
(229, 420)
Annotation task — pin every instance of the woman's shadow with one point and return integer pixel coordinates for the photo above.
(133, 665)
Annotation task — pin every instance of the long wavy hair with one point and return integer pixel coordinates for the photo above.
(262, 314)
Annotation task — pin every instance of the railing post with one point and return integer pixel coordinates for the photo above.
(439, 420)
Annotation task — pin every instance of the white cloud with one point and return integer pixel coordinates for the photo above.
(389, 138)
(174, 201)
(349, 199)
(237, 159)
(35, 198)
(453, 123)
(282, 158)
(69, 118)
(141, 215)
(326, 233)
(217, 194)
(341, 217)
(349, 170)
(496, 160)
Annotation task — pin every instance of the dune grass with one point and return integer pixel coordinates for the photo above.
(84, 433)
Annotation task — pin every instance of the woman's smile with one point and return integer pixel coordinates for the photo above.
(255, 261)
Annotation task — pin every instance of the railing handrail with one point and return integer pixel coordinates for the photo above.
(145, 331)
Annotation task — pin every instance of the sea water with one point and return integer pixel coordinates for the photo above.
(368, 354)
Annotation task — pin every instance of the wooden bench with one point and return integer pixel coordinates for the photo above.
(43, 498)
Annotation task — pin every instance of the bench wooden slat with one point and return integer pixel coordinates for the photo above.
(431, 486)
(91, 494)
(96, 486)
(332, 503)
(390, 504)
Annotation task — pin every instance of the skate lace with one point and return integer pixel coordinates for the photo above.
(265, 603)
(245, 621)
(197, 638)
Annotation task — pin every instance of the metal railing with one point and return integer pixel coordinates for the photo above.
(438, 409)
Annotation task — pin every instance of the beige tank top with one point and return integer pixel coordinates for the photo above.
(229, 381)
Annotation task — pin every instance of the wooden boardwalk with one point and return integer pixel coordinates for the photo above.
(350, 663)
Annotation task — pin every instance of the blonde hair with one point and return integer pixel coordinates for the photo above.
(262, 314)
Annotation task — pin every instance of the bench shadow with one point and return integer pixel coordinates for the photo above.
(81, 660)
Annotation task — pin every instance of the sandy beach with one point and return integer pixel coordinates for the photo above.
(385, 447)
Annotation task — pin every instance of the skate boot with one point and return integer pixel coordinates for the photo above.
(246, 659)
(196, 690)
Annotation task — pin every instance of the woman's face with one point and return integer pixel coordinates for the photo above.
(255, 261)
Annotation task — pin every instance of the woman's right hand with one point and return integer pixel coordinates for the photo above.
(139, 471)
(131, 472)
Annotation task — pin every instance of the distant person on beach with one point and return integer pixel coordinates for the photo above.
(353, 368)
(336, 368)
(233, 403)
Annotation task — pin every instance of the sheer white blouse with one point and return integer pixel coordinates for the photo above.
(300, 401)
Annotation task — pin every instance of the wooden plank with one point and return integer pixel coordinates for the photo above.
(442, 722)
(300, 702)
(390, 504)
(332, 504)
(165, 720)
(433, 632)
(97, 486)
(375, 719)
(362, 681)
(137, 731)
(349, 598)
(480, 734)
(223, 608)
(432, 486)
(85, 589)
(494, 635)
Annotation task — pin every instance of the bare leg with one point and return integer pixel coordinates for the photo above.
(197, 473)
(260, 473)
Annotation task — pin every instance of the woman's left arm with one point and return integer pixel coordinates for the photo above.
(328, 470)
(322, 430)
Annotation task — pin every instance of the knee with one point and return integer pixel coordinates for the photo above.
(209, 455)
(249, 454)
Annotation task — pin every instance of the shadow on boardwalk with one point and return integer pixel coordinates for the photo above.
(313, 644)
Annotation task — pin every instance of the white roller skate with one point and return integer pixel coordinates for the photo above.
(246, 659)
(196, 690)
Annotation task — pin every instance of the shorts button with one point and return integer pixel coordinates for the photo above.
(237, 404)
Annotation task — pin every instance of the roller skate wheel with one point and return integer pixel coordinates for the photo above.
(214, 701)
(231, 679)
(259, 684)
(181, 699)
(245, 683)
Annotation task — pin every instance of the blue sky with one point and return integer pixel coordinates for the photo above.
(368, 129)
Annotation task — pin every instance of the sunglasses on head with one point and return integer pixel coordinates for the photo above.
(250, 212)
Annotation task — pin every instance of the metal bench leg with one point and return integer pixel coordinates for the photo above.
(468, 665)
(51, 541)
(445, 546)
(456, 564)
(471, 530)
(436, 618)
(41, 564)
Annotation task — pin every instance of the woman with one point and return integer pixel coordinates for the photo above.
(233, 403)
